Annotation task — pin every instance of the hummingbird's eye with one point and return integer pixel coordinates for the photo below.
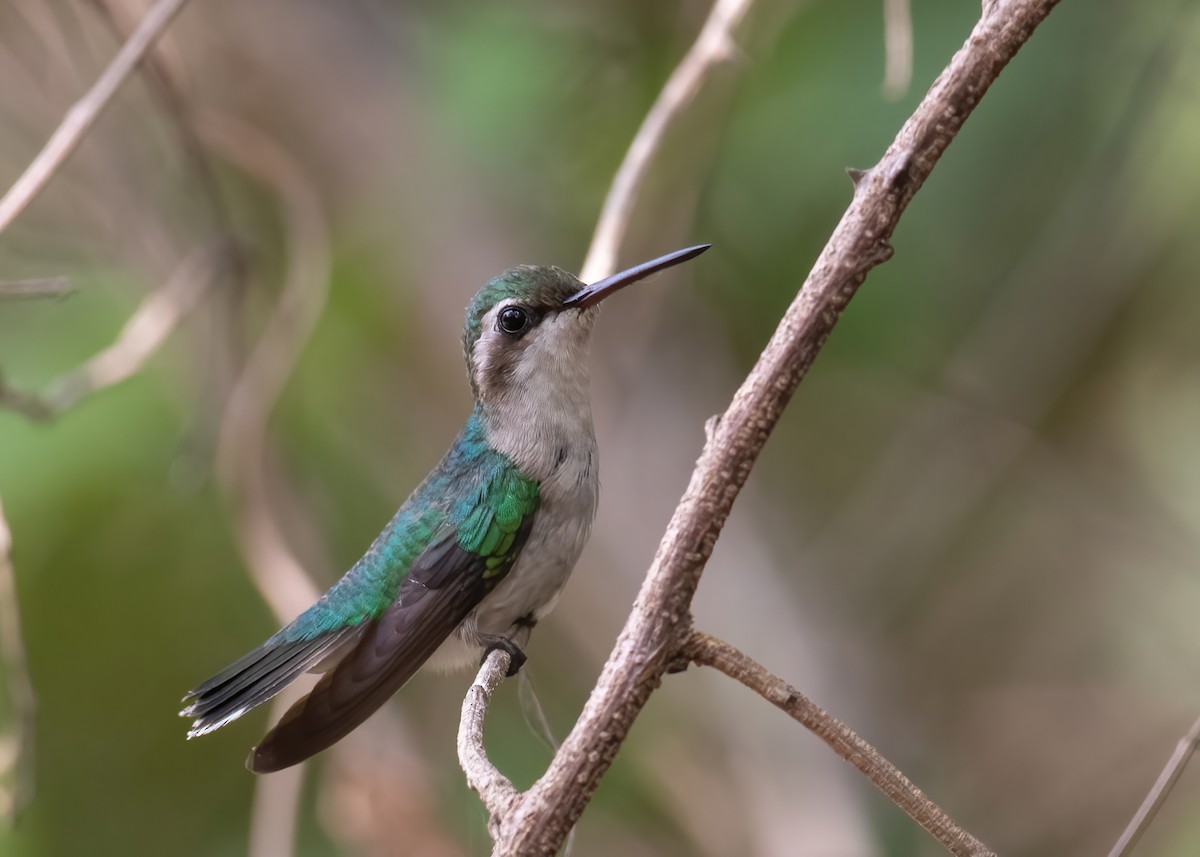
(513, 320)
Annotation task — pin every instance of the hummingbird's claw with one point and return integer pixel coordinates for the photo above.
(516, 657)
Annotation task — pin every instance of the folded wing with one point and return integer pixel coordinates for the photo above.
(445, 584)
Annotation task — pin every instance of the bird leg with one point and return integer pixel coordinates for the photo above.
(516, 657)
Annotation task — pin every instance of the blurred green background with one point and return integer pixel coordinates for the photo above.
(974, 536)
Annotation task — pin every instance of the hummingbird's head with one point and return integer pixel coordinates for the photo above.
(528, 330)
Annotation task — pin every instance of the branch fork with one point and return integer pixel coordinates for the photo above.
(658, 637)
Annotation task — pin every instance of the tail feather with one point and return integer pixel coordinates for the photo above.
(247, 671)
(370, 661)
(255, 678)
(383, 659)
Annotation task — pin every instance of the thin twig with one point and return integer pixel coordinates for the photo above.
(1158, 793)
(83, 113)
(660, 621)
(713, 46)
(276, 804)
(378, 783)
(897, 47)
(20, 687)
(42, 21)
(709, 651)
(243, 444)
(164, 89)
(495, 790)
(141, 337)
(37, 288)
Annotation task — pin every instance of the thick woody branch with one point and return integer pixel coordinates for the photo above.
(660, 622)
(708, 651)
(713, 46)
(83, 113)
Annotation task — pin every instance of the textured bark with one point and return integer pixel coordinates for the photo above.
(659, 627)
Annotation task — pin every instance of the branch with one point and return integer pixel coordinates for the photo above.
(660, 622)
(38, 288)
(1158, 792)
(242, 444)
(141, 337)
(20, 686)
(711, 652)
(164, 89)
(243, 454)
(713, 46)
(897, 47)
(139, 340)
(497, 792)
(83, 113)
(276, 804)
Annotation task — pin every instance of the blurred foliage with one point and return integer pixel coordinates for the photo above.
(974, 536)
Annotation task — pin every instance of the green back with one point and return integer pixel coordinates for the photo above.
(475, 495)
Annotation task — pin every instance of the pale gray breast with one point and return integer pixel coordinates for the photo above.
(564, 520)
(539, 415)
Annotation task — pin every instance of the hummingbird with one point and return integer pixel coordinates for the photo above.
(477, 554)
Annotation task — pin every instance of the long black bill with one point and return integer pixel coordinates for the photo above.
(598, 291)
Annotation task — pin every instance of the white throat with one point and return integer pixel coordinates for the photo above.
(538, 411)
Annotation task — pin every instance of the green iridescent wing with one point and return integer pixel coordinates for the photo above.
(445, 583)
(490, 529)
(464, 523)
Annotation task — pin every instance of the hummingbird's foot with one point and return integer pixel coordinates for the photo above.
(516, 657)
